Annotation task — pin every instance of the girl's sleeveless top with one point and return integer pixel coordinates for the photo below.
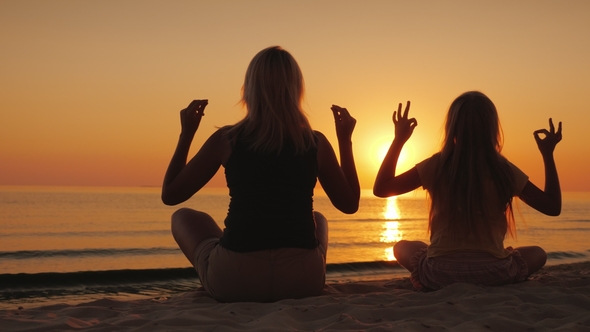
(271, 199)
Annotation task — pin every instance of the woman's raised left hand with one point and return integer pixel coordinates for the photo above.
(344, 123)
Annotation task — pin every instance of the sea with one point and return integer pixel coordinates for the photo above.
(77, 244)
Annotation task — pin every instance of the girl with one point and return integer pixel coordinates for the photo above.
(471, 186)
(273, 245)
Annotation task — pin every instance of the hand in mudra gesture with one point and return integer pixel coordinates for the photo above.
(404, 126)
(550, 138)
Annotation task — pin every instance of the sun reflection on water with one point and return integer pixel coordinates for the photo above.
(390, 232)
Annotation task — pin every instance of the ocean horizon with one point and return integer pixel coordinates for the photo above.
(72, 244)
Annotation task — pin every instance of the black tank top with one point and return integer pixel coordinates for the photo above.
(271, 199)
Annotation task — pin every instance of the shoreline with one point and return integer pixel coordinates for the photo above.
(557, 297)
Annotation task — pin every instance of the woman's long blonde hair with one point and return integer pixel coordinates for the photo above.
(471, 166)
(272, 94)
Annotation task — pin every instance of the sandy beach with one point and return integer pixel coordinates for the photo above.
(557, 298)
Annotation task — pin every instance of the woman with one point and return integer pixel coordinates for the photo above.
(274, 245)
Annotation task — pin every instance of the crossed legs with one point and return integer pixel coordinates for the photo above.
(404, 250)
(534, 256)
(321, 231)
(190, 228)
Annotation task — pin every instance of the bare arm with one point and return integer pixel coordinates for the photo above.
(387, 183)
(340, 182)
(546, 201)
(183, 180)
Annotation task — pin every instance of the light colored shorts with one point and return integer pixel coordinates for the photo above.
(479, 268)
(260, 276)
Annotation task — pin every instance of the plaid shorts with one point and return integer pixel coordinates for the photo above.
(479, 268)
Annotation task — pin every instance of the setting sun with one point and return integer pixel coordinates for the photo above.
(110, 106)
(404, 161)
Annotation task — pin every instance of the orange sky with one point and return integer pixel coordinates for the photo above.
(90, 90)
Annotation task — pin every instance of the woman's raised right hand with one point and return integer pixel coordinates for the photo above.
(190, 117)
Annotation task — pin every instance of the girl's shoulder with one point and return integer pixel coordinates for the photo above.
(435, 157)
(427, 170)
(432, 161)
(509, 164)
(503, 159)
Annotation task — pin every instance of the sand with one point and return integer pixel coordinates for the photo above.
(557, 298)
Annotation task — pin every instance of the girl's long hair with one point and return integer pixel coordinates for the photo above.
(272, 94)
(472, 167)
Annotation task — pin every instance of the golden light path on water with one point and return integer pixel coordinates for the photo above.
(390, 232)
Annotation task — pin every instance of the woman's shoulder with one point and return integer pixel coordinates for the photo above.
(224, 129)
(318, 134)
(224, 132)
(220, 138)
(319, 138)
(221, 142)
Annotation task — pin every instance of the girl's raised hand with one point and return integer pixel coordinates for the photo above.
(190, 117)
(344, 123)
(550, 138)
(404, 127)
